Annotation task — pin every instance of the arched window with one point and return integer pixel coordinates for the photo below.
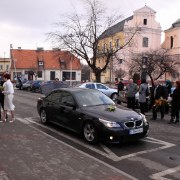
(145, 42)
(172, 41)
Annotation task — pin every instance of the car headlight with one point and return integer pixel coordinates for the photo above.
(144, 119)
(110, 124)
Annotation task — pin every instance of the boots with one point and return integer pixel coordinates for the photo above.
(177, 121)
(171, 121)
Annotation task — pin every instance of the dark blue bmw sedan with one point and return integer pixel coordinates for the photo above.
(91, 113)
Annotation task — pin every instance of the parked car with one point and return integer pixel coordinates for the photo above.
(47, 87)
(35, 86)
(91, 114)
(110, 92)
(27, 85)
(20, 83)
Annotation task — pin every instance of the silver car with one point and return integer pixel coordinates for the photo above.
(110, 92)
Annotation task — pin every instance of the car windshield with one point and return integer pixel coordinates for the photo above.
(92, 98)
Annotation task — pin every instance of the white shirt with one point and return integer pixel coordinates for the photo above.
(8, 87)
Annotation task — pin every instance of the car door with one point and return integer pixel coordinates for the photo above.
(52, 104)
(103, 89)
(68, 112)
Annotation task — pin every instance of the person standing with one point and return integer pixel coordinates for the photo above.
(131, 91)
(120, 88)
(8, 92)
(143, 89)
(175, 104)
(158, 92)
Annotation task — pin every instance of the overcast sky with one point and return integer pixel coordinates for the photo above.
(24, 23)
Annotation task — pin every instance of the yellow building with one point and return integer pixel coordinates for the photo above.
(172, 43)
(4, 65)
(147, 38)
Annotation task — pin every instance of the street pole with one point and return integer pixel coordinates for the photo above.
(71, 71)
(13, 60)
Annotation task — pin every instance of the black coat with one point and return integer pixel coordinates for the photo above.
(176, 98)
(161, 91)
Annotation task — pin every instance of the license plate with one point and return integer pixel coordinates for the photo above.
(136, 131)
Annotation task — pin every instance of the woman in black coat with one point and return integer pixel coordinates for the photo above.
(175, 104)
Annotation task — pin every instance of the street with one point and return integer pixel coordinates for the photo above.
(30, 150)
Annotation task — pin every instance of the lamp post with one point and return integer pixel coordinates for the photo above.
(144, 67)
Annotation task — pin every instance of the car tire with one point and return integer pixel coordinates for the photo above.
(43, 116)
(90, 133)
(114, 96)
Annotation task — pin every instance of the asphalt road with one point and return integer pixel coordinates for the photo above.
(30, 150)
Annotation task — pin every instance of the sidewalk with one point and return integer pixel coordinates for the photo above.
(29, 154)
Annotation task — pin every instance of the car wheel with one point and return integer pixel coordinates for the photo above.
(43, 116)
(90, 133)
(114, 96)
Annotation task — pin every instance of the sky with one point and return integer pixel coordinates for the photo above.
(25, 23)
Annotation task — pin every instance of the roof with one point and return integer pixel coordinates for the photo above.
(175, 24)
(120, 26)
(115, 29)
(28, 59)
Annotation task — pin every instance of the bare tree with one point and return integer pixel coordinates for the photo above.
(120, 73)
(85, 72)
(80, 33)
(155, 63)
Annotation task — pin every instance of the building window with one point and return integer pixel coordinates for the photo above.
(41, 63)
(39, 73)
(68, 75)
(110, 46)
(1, 67)
(117, 44)
(104, 48)
(52, 75)
(172, 41)
(145, 21)
(145, 42)
(120, 61)
(7, 67)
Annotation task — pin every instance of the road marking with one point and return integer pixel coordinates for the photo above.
(109, 154)
(3, 176)
(160, 175)
(79, 151)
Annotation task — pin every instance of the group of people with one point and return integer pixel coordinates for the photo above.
(6, 99)
(158, 96)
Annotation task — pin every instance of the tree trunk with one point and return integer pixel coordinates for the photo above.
(98, 76)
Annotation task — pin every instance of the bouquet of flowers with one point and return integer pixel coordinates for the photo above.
(1, 88)
(160, 102)
(111, 108)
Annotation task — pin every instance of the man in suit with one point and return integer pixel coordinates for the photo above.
(157, 92)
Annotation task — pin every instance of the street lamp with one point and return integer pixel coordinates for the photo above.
(144, 67)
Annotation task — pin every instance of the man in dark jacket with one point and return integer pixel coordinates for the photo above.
(158, 92)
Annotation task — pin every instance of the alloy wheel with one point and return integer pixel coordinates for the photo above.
(90, 133)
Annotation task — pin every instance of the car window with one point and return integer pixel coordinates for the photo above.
(67, 98)
(55, 97)
(100, 86)
(92, 98)
(90, 86)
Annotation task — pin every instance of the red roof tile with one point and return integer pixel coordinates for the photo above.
(28, 59)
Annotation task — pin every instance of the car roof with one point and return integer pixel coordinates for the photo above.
(75, 89)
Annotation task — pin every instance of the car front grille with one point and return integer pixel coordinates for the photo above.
(133, 124)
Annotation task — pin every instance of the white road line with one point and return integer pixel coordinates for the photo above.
(109, 154)
(81, 152)
(160, 175)
(3, 176)
(29, 121)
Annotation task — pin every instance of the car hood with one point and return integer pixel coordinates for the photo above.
(119, 114)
